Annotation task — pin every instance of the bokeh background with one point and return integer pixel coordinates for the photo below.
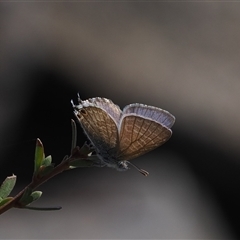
(180, 56)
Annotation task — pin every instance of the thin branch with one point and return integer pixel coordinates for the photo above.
(36, 182)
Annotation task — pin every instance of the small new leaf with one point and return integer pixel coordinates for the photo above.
(36, 195)
(29, 196)
(47, 161)
(39, 156)
(7, 186)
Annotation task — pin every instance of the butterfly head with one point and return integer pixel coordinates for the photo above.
(112, 162)
(122, 166)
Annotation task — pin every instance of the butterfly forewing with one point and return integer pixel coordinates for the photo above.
(140, 135)
(107, 105)
(99, 127)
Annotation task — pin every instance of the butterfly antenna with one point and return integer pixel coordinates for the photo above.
(72, 103)
(78, 96)
(142, 171)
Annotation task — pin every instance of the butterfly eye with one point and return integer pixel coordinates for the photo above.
(122, 165)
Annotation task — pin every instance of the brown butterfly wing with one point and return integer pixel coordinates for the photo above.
(99, 127)
(139, 135)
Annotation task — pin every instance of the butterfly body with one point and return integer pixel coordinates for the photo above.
(118, 136)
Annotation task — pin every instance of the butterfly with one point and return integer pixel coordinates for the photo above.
(121, 135)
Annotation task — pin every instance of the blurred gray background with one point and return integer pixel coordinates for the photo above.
(180, 56)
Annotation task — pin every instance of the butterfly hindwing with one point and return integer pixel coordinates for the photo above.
(139, 135)
(156, 114)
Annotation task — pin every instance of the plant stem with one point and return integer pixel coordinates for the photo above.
(36, 182)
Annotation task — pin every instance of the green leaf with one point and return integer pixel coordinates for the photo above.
(29, 196)
(7, 186)
(47, 161)
(5, 200)
(36, 195)
(39, 156)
